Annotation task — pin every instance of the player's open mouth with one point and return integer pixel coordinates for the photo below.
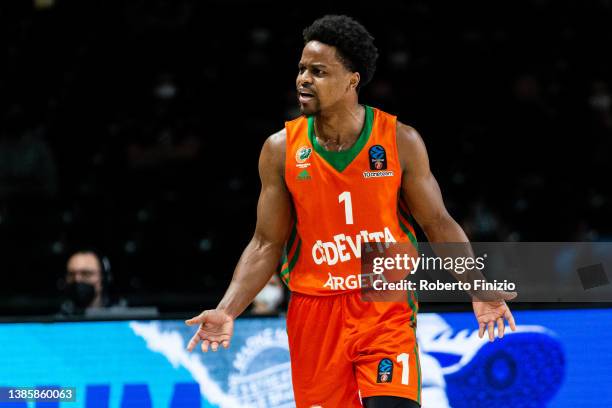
(305, 97)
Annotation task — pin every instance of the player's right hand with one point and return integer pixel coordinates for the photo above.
(216, 327)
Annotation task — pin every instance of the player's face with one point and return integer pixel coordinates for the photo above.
(323, 81)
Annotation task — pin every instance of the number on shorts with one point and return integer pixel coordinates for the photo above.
(403, 359)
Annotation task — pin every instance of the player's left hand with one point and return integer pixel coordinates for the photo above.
(216, 328)
(489, 314)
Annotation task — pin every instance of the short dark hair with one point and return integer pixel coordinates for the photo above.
(355, 45)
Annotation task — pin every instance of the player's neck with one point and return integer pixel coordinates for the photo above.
(339, 129)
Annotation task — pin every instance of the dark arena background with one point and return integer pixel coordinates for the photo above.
(134, 128)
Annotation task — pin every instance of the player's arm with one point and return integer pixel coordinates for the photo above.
(421, 192)
(260, 257)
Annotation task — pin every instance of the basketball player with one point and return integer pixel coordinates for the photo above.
(331, 180)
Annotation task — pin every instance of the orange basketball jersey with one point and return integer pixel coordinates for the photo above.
(341, 200)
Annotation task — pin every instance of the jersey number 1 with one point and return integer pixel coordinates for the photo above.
(403, 359)
(348, 206)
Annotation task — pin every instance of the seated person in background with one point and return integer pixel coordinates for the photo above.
(88, 277)
(270, 298)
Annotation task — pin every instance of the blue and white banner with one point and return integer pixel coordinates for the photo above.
(557, 358)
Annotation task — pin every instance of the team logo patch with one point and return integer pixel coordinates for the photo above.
(385, 371)
(303, 154)
(378, 158)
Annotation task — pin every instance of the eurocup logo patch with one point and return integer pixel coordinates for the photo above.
(378, 158)
(385, 371)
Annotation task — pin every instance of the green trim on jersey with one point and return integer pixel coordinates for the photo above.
(407, 217)
(286, 273)
(413, 306)
(409, 233)
(341, 160)
(418, 364)
(290, 240)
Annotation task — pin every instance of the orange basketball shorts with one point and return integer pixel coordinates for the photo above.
(344, 349)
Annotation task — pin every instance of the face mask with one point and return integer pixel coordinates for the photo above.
(82, 294)
(271, 296)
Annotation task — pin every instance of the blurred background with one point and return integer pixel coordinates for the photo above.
(135, 127)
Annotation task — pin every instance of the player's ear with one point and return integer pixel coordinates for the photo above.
(354, 80)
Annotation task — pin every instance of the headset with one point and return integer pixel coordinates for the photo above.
(107, 276)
